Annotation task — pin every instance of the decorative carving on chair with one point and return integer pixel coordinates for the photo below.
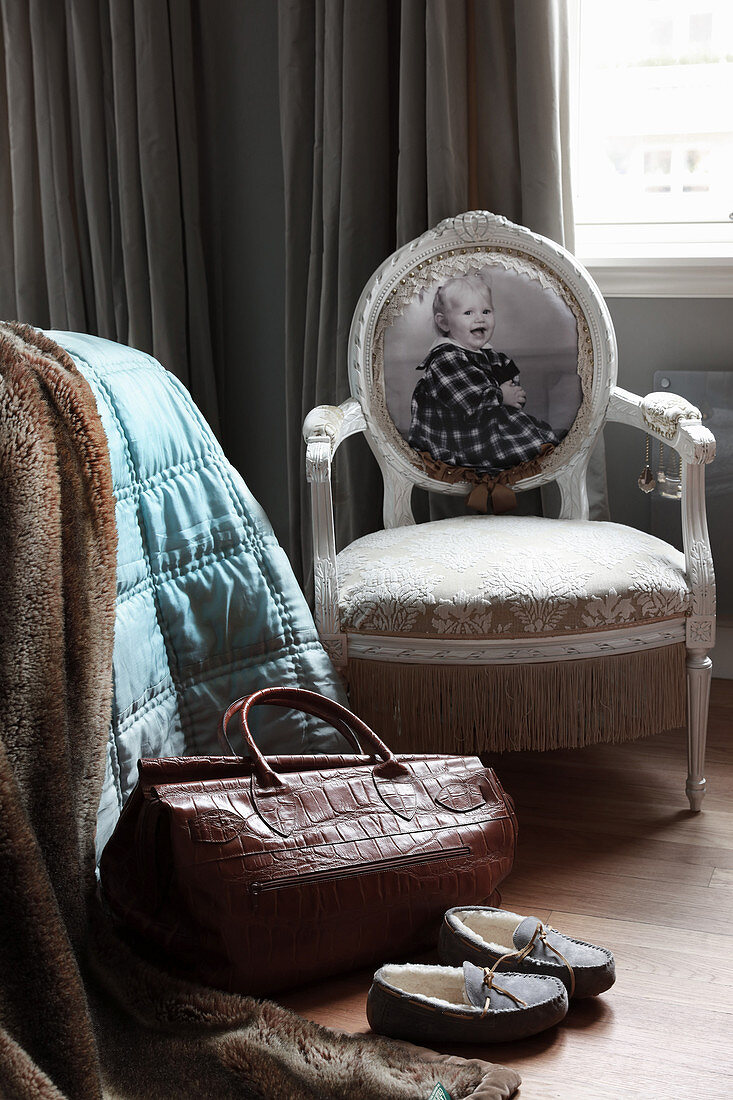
(702, 579)
(701, 632)
(702, 443)
(470, 227)
(336, 648)
(325, 583)
(465, 651)
(323, 420)
(662, 412)
(690, 438)
(318, 459)
(701, 624)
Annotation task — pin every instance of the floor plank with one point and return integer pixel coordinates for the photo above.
(695, 907)
(609, 853)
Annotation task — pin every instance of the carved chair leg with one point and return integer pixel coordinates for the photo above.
(699, 672)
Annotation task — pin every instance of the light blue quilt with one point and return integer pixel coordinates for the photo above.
(208, 608)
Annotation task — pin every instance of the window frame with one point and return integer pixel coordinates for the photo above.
(662, 259)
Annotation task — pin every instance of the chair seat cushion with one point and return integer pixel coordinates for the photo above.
(508, 575)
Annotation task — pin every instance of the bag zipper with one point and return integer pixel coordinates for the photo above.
(395, 862)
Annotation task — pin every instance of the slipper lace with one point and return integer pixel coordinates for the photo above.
(491, 984)
(540, 933)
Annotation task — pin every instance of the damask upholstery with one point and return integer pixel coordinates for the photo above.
(512, 576)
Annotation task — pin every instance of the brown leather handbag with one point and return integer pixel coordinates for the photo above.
(257, 874)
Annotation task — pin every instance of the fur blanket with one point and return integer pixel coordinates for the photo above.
(81, 1015)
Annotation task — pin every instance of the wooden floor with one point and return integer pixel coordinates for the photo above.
(609, 853)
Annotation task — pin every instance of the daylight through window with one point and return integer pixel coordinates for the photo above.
(654, 104)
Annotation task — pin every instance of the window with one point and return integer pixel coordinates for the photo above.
(653, 149)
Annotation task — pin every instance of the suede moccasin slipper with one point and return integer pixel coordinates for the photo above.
(500, 940)
(462, 1004)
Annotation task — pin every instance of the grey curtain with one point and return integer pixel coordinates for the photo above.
(99, 201)
(395, 114)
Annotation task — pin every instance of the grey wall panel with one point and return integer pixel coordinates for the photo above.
(662, 337)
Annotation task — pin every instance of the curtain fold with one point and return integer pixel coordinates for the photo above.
(395, 115)
(540, 35)
(336, 159)
(100, 208)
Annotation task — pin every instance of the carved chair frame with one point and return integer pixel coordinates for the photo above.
(465, 243)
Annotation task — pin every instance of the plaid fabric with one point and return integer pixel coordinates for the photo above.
(458, 414)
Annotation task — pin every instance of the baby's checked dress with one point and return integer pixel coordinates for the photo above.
(459, 416)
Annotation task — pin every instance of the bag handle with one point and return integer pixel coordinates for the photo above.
(346, 732)
(309, 702)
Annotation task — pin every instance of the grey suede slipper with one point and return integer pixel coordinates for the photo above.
(462, 1004)
(499, 939)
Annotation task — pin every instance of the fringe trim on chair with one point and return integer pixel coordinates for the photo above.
(479, 708)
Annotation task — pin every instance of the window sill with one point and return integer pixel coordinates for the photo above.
(657, 272)
(662, 277)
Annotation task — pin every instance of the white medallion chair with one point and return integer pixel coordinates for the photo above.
(494, 632)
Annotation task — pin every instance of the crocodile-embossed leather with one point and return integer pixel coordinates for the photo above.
(258, 874)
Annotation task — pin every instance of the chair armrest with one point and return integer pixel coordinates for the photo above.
(678, 424)
(324, 429)
(334, 422)
(667, 417)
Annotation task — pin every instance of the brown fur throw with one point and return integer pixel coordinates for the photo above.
(82, 1016)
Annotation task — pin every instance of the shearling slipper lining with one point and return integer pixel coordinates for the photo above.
(492, 930)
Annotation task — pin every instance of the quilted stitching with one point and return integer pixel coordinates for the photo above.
(208, 608)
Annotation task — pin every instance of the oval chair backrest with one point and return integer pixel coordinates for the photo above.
(553, 333)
